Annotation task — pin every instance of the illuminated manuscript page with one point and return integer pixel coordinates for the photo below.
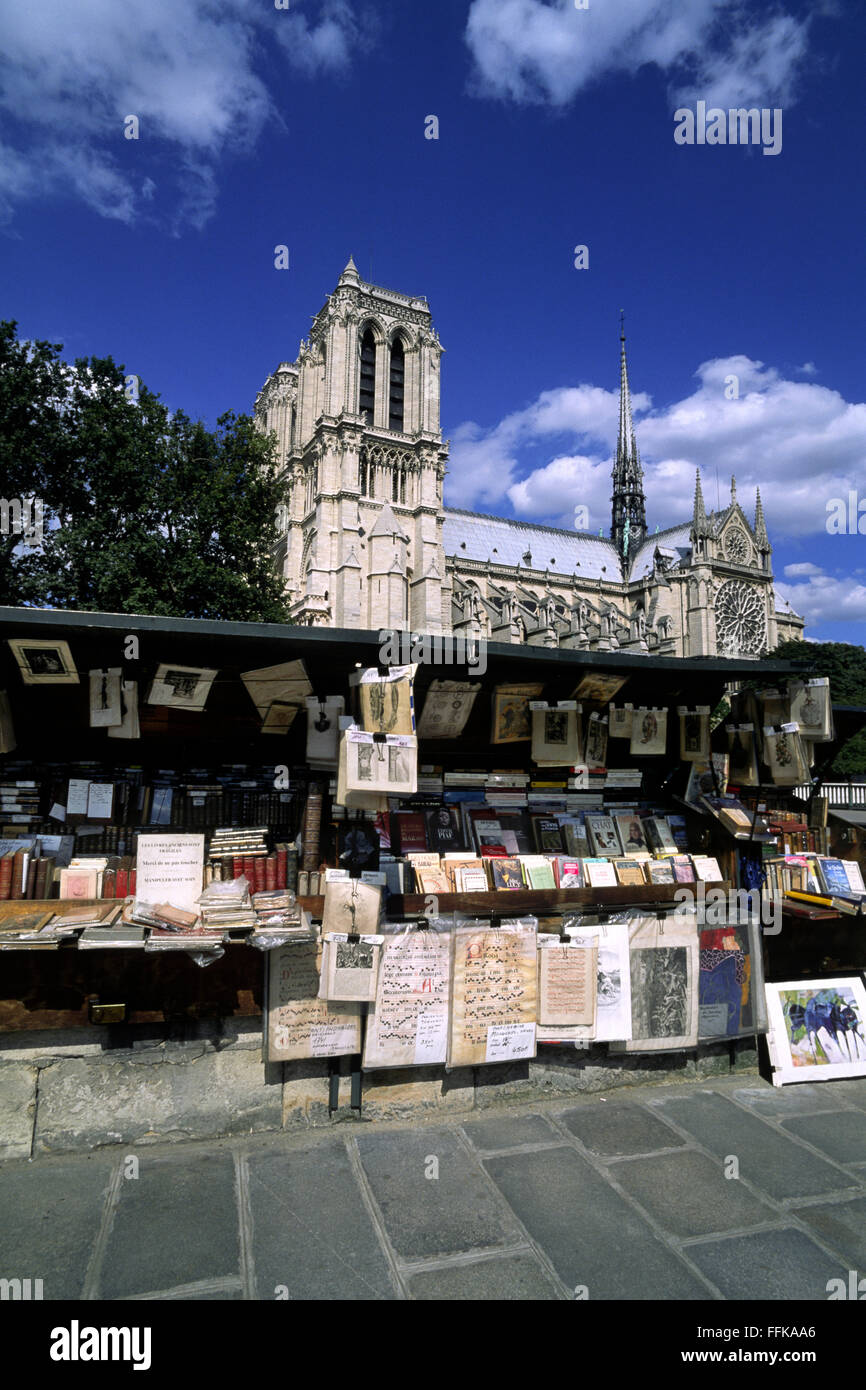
(495, 995)
(408, 1025)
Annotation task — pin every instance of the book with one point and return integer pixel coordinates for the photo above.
(834, 878)
(471, 878)
(538, 871)
(547, 834)
(506, 873)
(600, 873)
(661, 871)
(629, 871)
(707, 868)
(603, 837)
(568, 872)
(659, 834)
(632, 834)
(684, 871)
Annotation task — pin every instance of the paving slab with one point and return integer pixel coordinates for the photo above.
(852, 1089)
(620, 1129)
(17, 1109)
(842, 1225)
(842, 1136)
(775, 1266)
(313, 1237)
(508, 1131)
(591, 1235)
(766, 1158)
(514, 1278)
(453, 1212)
(688, 1194)
(49, 1221)
(176, 1223)
(802, 1099)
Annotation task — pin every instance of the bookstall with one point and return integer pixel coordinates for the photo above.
(396, 854)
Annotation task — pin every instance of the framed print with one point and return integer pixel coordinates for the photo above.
(182, 687)
(817, 1029)
(44, 663)
(106, 708)
(694, 733)
(649, 732)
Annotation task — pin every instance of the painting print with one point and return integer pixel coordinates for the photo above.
(818, 1029)
(730, 992)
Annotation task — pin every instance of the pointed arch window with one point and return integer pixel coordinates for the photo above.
(367, 388)
(396, 386)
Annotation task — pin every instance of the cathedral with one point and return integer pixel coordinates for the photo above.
(365, 540)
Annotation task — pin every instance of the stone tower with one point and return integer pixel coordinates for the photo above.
(363, 462)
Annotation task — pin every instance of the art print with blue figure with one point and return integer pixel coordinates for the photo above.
(725, 983)
(824, 1026)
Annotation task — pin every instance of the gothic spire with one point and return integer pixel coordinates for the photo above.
(700, 524)
(763, 540)
(628, 518)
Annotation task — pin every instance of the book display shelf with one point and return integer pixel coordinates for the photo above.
(293, 763)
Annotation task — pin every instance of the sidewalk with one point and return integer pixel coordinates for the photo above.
(623, 1196)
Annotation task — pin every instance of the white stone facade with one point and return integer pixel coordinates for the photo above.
(365, 540)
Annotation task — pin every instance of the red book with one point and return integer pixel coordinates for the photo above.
(121, 882)
(282, 857)
(249, 864)
(237, 867)
(270, 873)
(109, 883)
(259, 873)
(131, 883)
(17, 889)
(411, 831)
(6, 874)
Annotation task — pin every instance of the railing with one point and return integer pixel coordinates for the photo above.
(851, 794)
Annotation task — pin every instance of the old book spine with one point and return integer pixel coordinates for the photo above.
(312, 828)
(292, 858)
(17, 889)
(39, 886)
(6, 876)
(271, 872)
(280, 866)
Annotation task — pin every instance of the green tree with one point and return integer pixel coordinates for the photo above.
(145, 511)
(845, 664)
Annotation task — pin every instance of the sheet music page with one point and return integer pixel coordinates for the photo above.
(567, 985)
(408, 1026)
(495, 987)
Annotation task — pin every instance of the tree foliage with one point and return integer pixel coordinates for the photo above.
(145, 510)
(845, 664)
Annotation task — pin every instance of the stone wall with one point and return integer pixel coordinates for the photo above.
(75, 1090)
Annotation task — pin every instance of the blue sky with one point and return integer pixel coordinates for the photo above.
(261, 126)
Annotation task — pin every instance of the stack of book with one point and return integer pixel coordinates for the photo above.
(19, 802)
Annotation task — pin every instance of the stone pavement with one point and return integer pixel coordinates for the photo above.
(722, 1189)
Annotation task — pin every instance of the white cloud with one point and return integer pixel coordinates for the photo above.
(528, 50)
(825, 599)
(71, 73)
(801, 443)
(801, 571)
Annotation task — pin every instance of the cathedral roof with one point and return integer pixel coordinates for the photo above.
(502, 541)
(675, 539)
